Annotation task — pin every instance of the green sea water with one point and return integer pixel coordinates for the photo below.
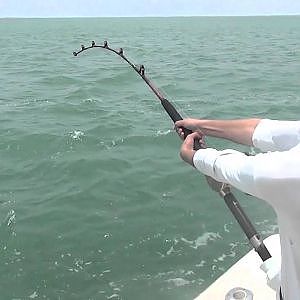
(95, 202)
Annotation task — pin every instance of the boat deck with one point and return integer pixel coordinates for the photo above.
(246, 273)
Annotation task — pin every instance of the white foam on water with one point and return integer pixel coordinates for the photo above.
(76, 134)
(202, 240)
(178, 281)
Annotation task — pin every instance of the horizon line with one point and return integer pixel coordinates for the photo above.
(151, 16)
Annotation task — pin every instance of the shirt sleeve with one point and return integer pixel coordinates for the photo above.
(228, 166)
(273, 135)
(272, 176)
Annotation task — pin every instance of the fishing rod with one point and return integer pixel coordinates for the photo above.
(223, 189)
(169, 108)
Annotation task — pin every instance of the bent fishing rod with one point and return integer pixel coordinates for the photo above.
(223, 189)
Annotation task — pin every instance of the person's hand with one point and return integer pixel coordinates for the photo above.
(192, 124)
(187, 151)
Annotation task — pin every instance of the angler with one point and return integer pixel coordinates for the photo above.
(225, 168)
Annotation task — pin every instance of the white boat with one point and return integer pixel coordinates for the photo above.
(245, 277)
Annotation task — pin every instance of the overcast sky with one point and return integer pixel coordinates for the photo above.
(107, 8)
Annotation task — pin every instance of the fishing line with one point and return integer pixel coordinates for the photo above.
(221, 188)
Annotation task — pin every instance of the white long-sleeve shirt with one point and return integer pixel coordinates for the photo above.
(273, 176)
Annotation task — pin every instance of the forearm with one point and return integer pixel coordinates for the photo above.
(238, 131)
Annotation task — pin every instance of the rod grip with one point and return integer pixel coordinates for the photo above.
(175, 116)
(171, 110)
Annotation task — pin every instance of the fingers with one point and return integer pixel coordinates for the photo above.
(191, 124)
(197, 135)
(187, 150)
(194, 135)
(180, 132)
(189, 140)
(188, 123)
(182, 124)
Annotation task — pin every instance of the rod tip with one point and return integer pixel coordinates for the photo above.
(75, 53)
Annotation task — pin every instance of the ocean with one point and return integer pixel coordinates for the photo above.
(95, 202)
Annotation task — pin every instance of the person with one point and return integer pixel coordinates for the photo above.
(272, 175)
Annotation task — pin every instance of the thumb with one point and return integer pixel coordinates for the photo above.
(190, 139)
(195, 135)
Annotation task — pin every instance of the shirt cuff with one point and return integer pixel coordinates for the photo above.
(205, 159)
(261, 138)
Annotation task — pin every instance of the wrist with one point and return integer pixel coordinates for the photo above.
(187, 155)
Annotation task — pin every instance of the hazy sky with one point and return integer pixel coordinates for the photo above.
(101, 8)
